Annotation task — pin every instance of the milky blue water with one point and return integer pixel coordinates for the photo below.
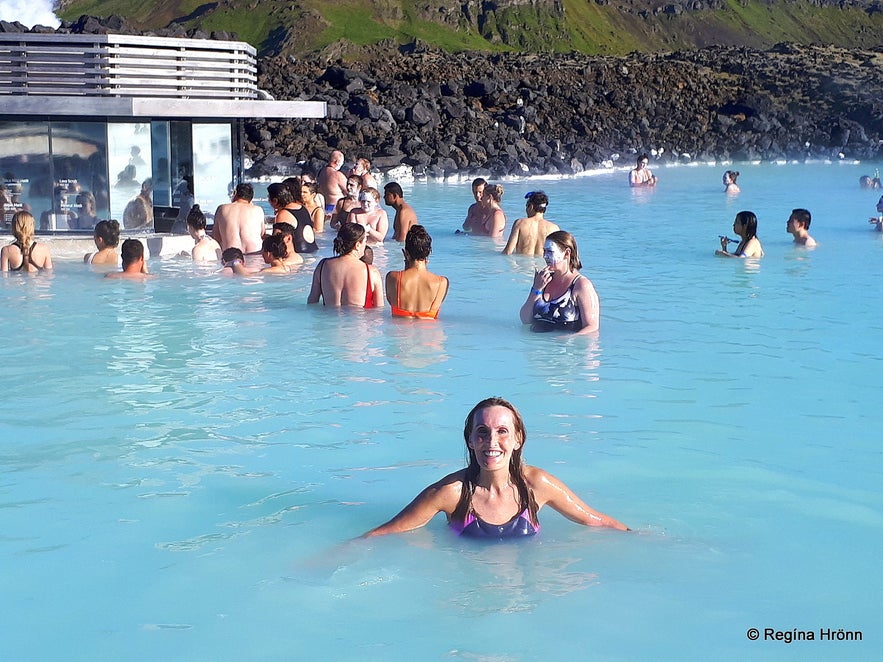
(184, 463)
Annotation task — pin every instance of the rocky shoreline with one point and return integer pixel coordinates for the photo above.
(454, 115)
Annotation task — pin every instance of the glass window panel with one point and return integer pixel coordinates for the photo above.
(213, 165)
(129, 163)
(79, 176)
(24, 166)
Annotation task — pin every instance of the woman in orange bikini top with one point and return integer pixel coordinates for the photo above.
(416, 291)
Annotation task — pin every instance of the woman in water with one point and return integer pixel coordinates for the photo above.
(745, 226)
(346, 280)
(106, 237)
(497, 495)
(561, 298)
(308, 193)
(371, 215)
(416, 291)
(493, 220)
(289, 210)
(24, 254)
(274, 252)
(206, 249)
(729, 179)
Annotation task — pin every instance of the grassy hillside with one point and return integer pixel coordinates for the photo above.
(278, 26)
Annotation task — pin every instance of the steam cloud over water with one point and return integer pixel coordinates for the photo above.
(29, 12)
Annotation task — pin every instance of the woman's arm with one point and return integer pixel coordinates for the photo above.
(540, 280)
(438, 497)
(316, 287)
(589, 305)
(376, 287)
(497, 224)
(318, 218)
(548, 490)
(391, 288)
(4, 259)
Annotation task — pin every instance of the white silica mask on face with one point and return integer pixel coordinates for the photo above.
(553, 253)
(368, 203)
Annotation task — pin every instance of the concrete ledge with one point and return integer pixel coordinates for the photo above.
(75, 247)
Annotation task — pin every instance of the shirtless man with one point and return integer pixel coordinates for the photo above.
(240, 224)
(134, 267)
(371, 215)
(475, 212)
(529, 234)
(405, 214)
(641, 175)
(798, 227)
(332, 182)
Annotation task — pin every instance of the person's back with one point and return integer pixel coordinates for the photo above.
(25, 253)
(346, 280)
(415, 292)
(529, 233)
(240, 224)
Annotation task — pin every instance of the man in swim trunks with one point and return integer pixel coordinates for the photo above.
(332, 183)
(240, 224)
(641, 176)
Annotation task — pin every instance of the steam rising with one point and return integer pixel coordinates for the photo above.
(29, 12)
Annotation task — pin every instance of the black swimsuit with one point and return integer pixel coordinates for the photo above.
(302, 220)
(26, 257)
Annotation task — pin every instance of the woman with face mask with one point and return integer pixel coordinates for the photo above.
(561, 298)
(371, 215)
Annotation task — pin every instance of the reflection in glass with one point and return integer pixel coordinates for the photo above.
(129, 164)
(24, 162)
(213, 165)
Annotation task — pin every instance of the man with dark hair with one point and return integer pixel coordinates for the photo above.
(641, 175)
(240, 223)
(405, 214)
(134, 266)
(798, 227)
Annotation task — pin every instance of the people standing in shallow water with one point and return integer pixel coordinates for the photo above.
(529, 234)
(416, 291)
(346, 280)
(729, 180)
(106, 236)
(641, 176)
(493, 221)
(798, 226)
(749, 245)
(24, 254)
(497, 495)
(234, 263)
(476, 209)
(370, 214)
(561, 298)
(405, 215)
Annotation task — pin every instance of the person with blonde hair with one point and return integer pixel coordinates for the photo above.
(24, 254)
(371, 215)
(492, 221)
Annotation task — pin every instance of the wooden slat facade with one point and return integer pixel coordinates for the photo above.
(123, 65)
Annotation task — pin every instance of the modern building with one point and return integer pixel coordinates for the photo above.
(90, 122)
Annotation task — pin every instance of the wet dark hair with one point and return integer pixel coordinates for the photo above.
(734, 175)
(478, 181)
(244, 191)
(565, 240)
(749, 220)
(195, 218)
(293, 185)
(132, 251)
(232, 253)
(803, 216)
(348, 235)
(274, 244)
(368, 255)
(642, 157)
(538, 200)
(526, 498)
(280, 193)
(284, 228)
(108, 232)
(395, 189)
(418, 243)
